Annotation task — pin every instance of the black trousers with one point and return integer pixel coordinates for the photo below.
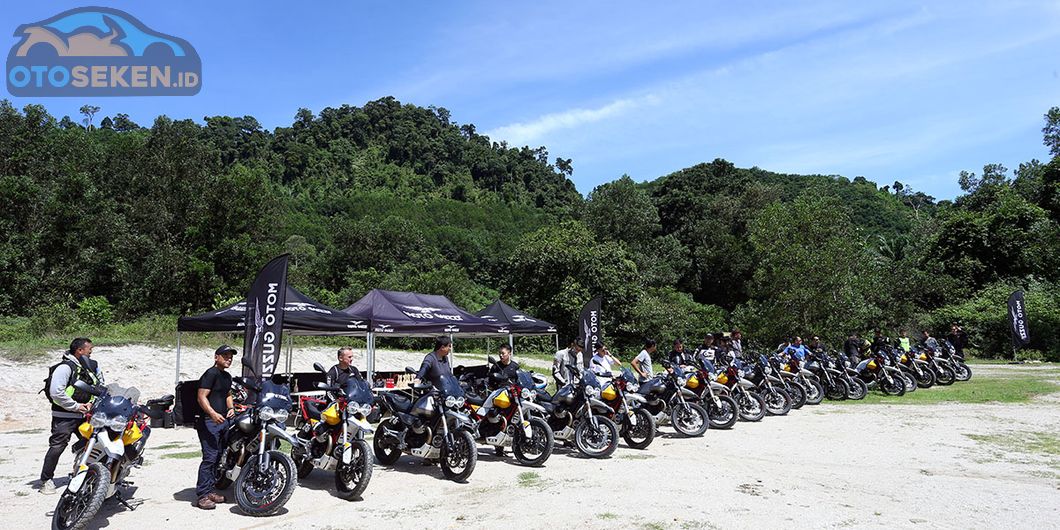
(62, 428)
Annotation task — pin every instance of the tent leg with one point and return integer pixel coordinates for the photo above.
(290, 352)
(556, 336)
(177, 378)
(370, 354)
(511, 343)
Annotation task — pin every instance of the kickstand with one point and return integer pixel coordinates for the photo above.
(121, 500)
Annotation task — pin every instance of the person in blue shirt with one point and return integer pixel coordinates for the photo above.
(796, 349)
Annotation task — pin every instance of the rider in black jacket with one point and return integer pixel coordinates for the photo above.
(504, 370)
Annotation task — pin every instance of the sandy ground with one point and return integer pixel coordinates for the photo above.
(883, 466)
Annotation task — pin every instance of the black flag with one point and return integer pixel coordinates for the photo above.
(591, 327)
(1017, 318)
(264, 323)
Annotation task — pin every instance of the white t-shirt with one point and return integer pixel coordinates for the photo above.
(644, 360)
(601, 365)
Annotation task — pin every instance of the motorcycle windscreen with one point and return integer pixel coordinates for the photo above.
(589, 378)
(525, 380)
(450, 386)
(627, 374)
(275, 395)
(358, 391)
(678, 371)
(131, 393)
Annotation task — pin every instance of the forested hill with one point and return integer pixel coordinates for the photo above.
(115, 221)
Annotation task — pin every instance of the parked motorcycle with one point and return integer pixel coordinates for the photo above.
(788, 382)
(635, 425)
(918, 369)
(431, 426)
(856, 388)
(333, 432)
(751, 404)
(793, 369)
(875, 372)
(835, 386)
(667, 399)
(115, 433)
(265, 477)
(767, 384)
(721, 408)
(501, 420)
(961, 371)
(576, 414)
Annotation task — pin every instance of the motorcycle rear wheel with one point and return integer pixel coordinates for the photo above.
(384, 454)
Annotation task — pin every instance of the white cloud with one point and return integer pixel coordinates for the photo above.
(526, 133)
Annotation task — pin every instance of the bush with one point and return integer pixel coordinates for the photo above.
(985, 319)
(95, 311)
(49, 319)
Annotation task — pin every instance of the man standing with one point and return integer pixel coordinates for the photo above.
(215, 400)
(565, 360)
(436, 364)
(737, 344)
(602, 361)
(930, 342)
(642, 362)
(678, 355)
(69, 404)
(958, 338)
(796, 349)
(504, 370)
(341, 372)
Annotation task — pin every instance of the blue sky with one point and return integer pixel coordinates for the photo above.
(891, 90)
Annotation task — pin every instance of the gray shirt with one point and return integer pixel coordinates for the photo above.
(57, 391)
(644, 362)
(563, 359)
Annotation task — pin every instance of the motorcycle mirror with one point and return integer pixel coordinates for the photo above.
(321, 386)
(490, 359)
(320, 368)
(409, 370)
(85, 387)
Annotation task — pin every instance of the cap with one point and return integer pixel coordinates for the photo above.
(598, 345)
(225, 349)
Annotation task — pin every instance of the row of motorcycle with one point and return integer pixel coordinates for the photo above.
(447, 423)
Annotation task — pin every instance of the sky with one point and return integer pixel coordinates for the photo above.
(891, 90)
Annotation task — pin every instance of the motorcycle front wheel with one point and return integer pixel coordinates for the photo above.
(639, 436)
(752, 406)
(856, 389)
(75, 510)
(724, 414)
(814, 392)
(797, 393)
(778, 402)
(535, 449)
(351, 479)
(962, 372)
(261, 493)
(837, 390)
(925, 378)
(596, 442)
(689, 419)
(944, 376)
(459, 456)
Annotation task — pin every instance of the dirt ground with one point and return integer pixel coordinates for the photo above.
(844, 465)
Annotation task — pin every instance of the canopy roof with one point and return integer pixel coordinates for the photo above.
(302, 316)
(518, 322)
(395, 313)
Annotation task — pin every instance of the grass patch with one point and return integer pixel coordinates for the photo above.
(1038, 443)
(185, 455)
(26, 431)
(607, 516)
(528, 479)
(635, 456)
(171, 445)
(1016, 386)
(653, 526)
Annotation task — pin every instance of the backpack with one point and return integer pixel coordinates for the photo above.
(51, 372)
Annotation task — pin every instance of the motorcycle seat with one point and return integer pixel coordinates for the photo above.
(312, 411)
(398, 402)
(543, 397)
(472, 399)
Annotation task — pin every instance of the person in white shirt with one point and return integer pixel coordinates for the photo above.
(602, 361)
(564, 360)
(642, 362)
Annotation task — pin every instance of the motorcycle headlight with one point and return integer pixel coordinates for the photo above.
(682, 381)
(98, 421)
(117, 423)
(269, 413)
(592, 392)
(453, 402)
(533, 395)
(357, 408)
(767, 370)
(632, 387)
(525, 393)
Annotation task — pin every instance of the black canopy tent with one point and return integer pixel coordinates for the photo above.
(302, 316)
(404, 314)
(517, 322)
